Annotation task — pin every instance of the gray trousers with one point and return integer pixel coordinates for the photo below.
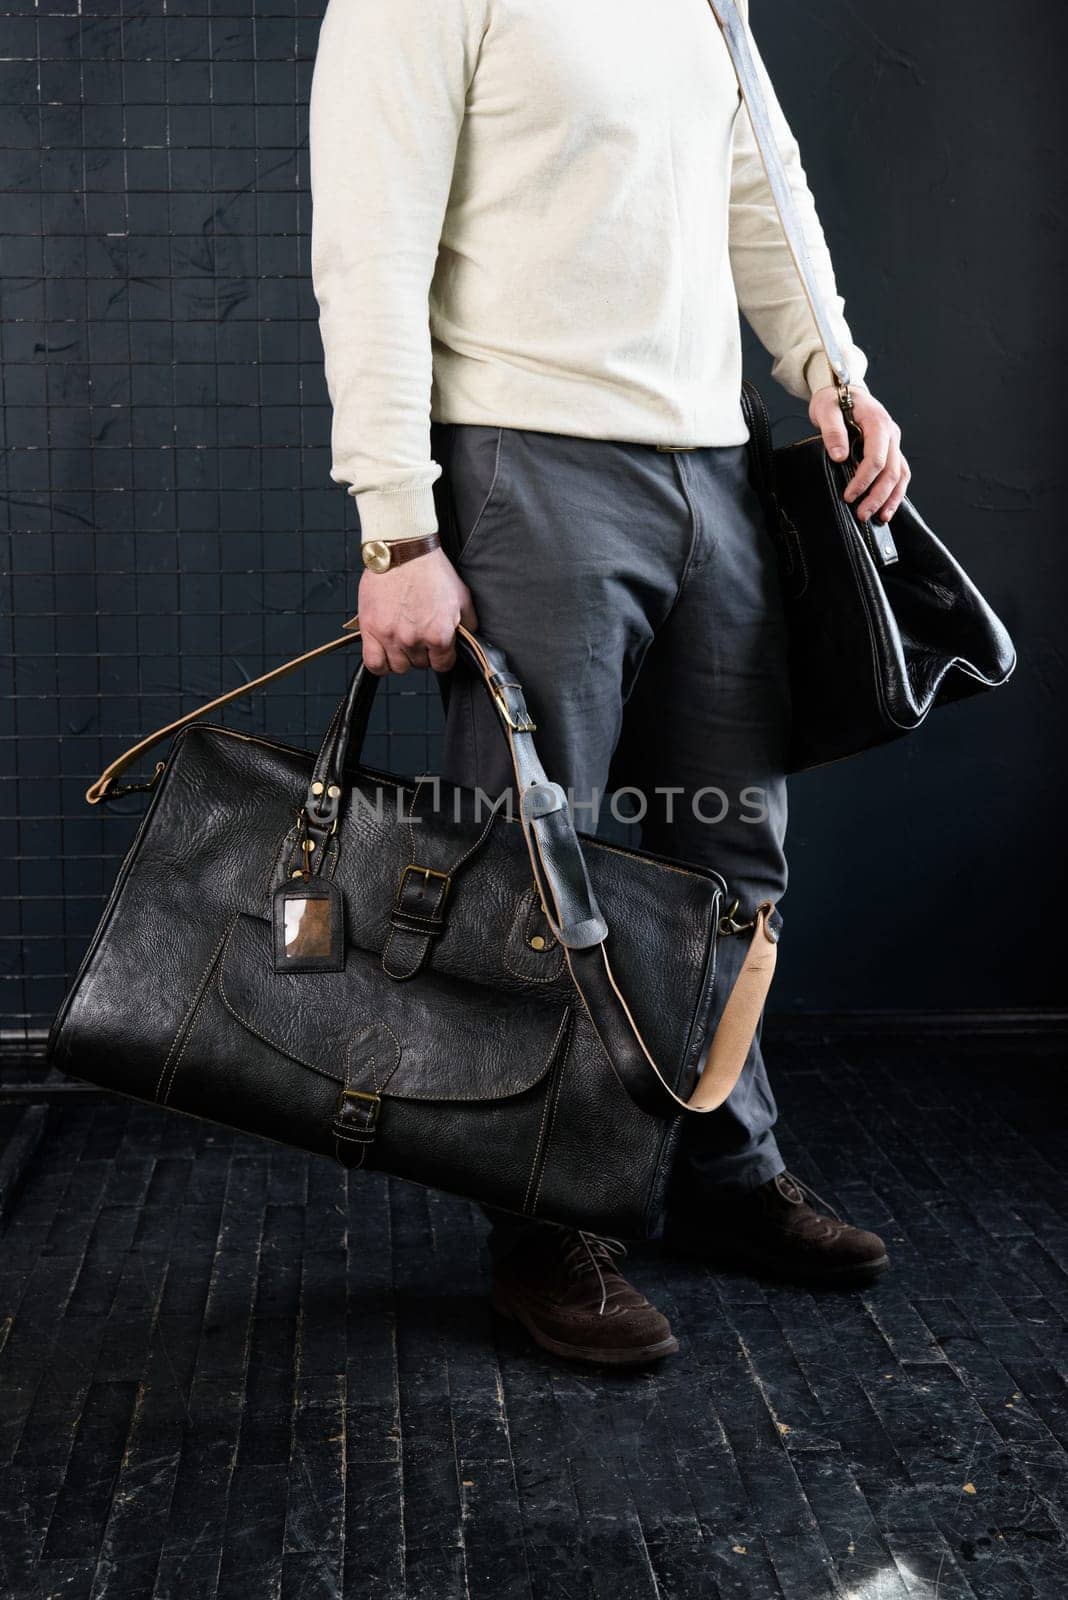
(635, 593)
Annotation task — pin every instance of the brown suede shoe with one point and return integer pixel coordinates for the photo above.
(774, 1228)
(563, 1285)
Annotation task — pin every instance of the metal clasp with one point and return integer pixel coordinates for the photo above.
(526, 725)
(728, 923)
(365, 1094)
(427, 873)
(113, 793)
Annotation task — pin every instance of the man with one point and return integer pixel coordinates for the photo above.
(534, 223)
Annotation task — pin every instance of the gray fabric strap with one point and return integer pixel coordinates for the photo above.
(736, 38)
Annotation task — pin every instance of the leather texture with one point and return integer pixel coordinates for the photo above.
(885, 625)
(520, 1013)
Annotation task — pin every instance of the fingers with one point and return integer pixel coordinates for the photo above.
(409, 617)
(897, 494)
(835, 436)
(374, 657)
(387, 655)
(879, 473)
(442, 650)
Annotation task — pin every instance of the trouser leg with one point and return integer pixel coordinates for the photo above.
(709, 724)
(635, 595)
(572, 549)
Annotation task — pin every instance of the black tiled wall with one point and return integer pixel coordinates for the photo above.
(169, 524)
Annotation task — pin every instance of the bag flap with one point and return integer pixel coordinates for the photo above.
(427, 1038)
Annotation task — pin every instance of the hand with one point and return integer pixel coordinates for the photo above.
(408, 615)
(883, 475)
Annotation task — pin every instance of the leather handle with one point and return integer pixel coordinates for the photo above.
(104, 787)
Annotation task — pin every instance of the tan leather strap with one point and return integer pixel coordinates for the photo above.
(726, 1055)
(102, 788)
(736, 38)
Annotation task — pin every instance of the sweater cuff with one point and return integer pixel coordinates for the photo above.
(819, 373)
(396, 513)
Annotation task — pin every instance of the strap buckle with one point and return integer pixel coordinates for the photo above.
(519, 722)
(355, 1122)
(426, 873)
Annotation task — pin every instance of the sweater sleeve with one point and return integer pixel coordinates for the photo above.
(766, 280)
(386, 105)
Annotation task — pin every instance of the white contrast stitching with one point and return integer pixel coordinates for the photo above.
(189, 1015)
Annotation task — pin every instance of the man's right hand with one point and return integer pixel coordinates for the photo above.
(408, 616)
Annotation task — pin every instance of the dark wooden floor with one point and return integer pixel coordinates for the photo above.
(228, 1371)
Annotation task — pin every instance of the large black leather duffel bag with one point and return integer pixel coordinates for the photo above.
(387, 972)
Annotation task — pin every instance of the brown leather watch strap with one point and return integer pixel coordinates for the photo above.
(382, 555)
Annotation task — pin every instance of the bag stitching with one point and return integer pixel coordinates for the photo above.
(549, 977)
(503, 1094)
(549, 1134)
(541, 1131)
(186, 1024)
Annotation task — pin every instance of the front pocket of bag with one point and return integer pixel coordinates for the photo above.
(462, 1088)
(476, 484)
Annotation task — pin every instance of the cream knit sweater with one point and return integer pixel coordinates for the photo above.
(543, 214)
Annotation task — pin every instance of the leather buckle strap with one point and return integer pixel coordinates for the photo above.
(355, 1122)
(421, 894)
(508, 698)
(416, 918)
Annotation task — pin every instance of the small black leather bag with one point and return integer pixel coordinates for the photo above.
(379, 971)
(884, 624)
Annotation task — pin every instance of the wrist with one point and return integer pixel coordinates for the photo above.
(819, 374)
(383, 555)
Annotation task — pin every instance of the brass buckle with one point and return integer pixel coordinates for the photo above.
(527, 725)
(365, 1094)
(427, 873)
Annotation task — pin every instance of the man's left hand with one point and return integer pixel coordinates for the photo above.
(877, 487)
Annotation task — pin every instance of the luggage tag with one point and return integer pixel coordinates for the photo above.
(308, 917)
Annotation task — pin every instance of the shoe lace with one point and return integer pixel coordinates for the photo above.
(584, 1251)
(805, 1189)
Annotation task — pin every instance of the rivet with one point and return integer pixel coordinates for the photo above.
(317, 787)
(333, 791)
(298, 872)
(537, 942)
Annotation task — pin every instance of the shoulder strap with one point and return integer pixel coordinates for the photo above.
(736, 38)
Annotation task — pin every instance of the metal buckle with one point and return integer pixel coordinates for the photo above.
(527, 725)
(427, 873)
(365, 1094)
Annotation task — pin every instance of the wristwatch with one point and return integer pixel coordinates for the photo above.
(380, 555)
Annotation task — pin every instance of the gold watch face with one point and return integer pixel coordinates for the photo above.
(377, 555)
